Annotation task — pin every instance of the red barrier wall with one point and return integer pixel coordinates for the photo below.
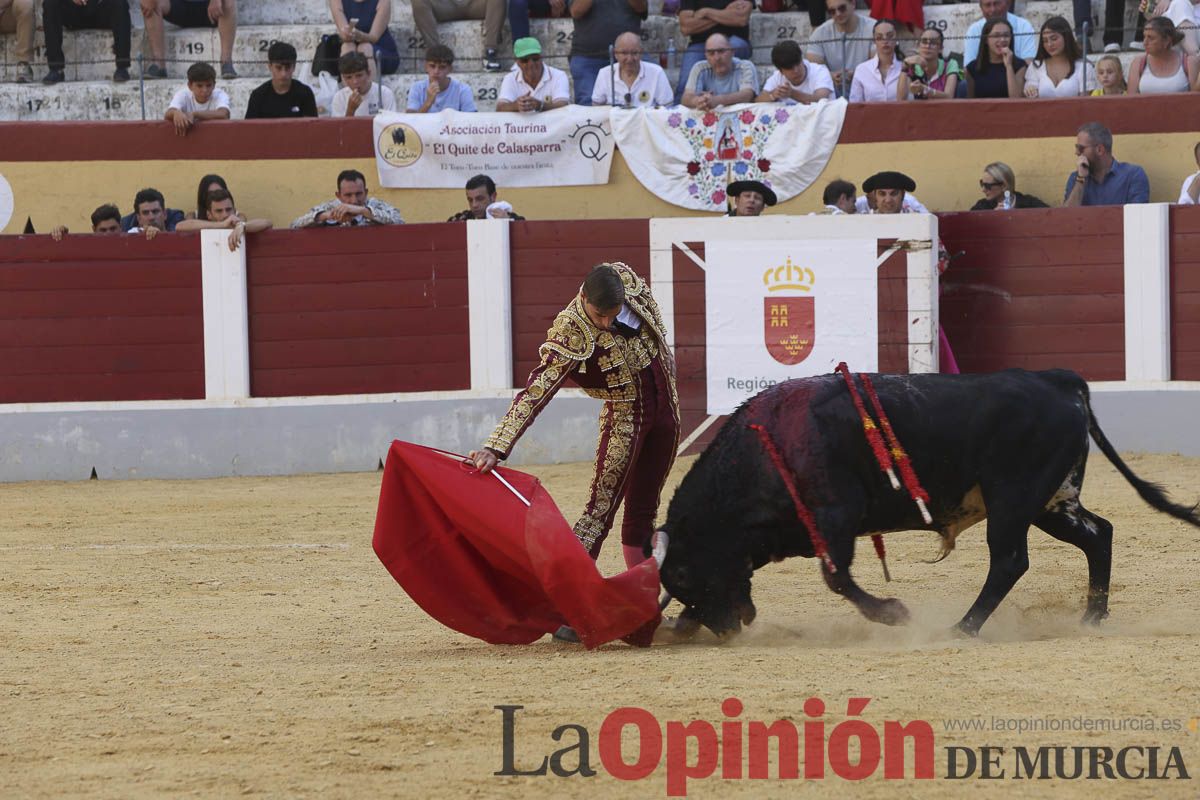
(100, 318)
(1185, 293)
(550, 260)
(359, 310)
(1036, 288)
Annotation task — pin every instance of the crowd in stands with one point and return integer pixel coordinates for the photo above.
(1002, 55)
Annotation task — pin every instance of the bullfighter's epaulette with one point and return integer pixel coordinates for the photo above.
(571, 335)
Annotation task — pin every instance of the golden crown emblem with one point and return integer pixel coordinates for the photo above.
(789, 276)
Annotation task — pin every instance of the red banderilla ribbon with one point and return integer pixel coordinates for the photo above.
(806, 517)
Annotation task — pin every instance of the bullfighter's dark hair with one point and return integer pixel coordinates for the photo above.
(351, 175)
(106, 211)
(603, 288)
(482, 180)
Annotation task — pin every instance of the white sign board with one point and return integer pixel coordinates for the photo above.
(783, 309)
(570, 146)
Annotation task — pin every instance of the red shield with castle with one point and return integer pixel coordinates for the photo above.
(789, 328)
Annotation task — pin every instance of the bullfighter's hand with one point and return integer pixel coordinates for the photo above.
(485, 460)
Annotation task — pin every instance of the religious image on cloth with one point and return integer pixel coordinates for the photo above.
(688, 157)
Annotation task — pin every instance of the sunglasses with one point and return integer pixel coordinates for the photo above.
(529, 59)
(989, 186)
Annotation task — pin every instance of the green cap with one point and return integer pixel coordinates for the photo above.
(526, 46)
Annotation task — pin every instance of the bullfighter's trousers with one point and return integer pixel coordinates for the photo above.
(634, 453)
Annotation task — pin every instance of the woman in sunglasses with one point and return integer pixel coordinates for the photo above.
(926, 75)
(999, 187)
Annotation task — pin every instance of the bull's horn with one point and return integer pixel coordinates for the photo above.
(660, 547)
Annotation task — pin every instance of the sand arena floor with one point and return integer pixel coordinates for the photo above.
(238, 637)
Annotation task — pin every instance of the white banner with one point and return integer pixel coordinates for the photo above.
(688, 157)
(570, 146)
(783, 309)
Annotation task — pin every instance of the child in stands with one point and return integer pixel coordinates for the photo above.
(1110, 76)
(199, 100)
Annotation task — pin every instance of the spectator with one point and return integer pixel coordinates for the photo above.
(749, 198)
(80, 14)
(1099, 179)
(999, 187)
(841, 43)
(428, 13)
(1186, 16)
(532, 85)
(439, 91)
(359, 97)
(926, 75)
(150, 211)
(281, 97)
(1163, 69)
(219, 14)
(1024, 39)
(700, 19)
(106, 220)
(997, 72)
(481, 196)
(839, 198)
(197, 101)
(209, 183)
(350, 206)
(1189, 193)
(877, 79)
(720, 80)
(1114, 26)
(635, 82)
(521, 11)
(362, 25)
(598, 23)
(1110, 76)
(1059, 69)
(17, 16)
(795, 80)
(221, 213)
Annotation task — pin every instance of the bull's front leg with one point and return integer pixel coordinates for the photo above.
(887, 610)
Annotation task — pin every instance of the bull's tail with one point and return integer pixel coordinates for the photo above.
(1152, 493)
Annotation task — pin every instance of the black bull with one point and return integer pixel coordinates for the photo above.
(1010, 447)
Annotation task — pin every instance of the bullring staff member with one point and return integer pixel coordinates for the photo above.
(611, 342)
(749, 198)
(894, 186)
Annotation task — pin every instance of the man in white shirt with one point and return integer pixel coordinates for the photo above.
(635, 83)
(1186, 16)
(532, 85)
(199, 100)
(795, 80)
(1025, 38)
(841, 43)
(359, 97)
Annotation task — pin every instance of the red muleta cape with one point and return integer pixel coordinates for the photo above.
(478, 560)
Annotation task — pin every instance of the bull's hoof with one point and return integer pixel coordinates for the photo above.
(678, 629)
(1094, 616)
(966, 629)
(890, 611)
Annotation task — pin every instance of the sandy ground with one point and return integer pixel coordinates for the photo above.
(238, 637)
